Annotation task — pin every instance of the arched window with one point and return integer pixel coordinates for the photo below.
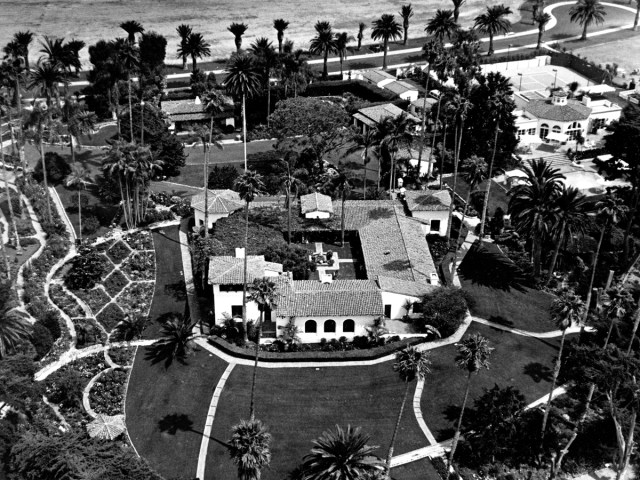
(544, 130)
(330, 326)
(574, 130)
(349, 326)
(556, 129)
(310, 326)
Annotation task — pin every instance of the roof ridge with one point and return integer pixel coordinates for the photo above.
(404, 243)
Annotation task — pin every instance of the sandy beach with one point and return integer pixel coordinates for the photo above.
(92, 20)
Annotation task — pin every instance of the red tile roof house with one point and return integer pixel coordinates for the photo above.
(182, 114)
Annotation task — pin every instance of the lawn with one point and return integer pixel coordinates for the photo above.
(298, 404)
(614, 52)
(497, 197)
(524, 362)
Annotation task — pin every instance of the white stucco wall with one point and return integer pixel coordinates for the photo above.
(317, 215)
(213, 217)
(397, 303)
(360, 323)
(409, 95)
(427, 216)
(223, 301)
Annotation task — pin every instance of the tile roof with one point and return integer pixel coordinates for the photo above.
(402, 287)
(420, 102)
(399, 87)
(377, 76)
(192, 109)
(227, 270)
(220, 201)
(315, 202)
(427, 200)
(571, 112)
(378, 112)
(359, 213)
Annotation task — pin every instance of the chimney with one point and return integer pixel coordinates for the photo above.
(326, 278)
(239, 252)
(586, 100)
(197, 101)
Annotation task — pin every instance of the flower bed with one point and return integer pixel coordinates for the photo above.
(107, 394)
(64, 301)
(122, 356)
(88, 332)
(96, 298)
(139, 240)
(118, 252)
(110, 316)
(136, 297)
(115, 282)
(140, 266)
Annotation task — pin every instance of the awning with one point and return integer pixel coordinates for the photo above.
(558, 137)
(529, 139)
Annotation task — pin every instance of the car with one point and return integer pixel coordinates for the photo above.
(435, 94)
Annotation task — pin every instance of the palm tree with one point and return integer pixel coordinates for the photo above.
(249, 448)
(365, 142)
(473, 356)
(323, 43)
(131, 327)
(184, 31)
(196, 47)
(566, 310)
(266, 60)
(385, 28)
(263, 292)
(406, 12)
(341, 455)
(431, 52)
(474, 172)
(610, 210)
(12, 218)
(177, 335)
(23, 40)
(410, 364)
(129, 58)
(617, 301)
(79, 122)
(570, 219)
(295, 72)
(541, 19)
(280, 25)
(238, 29)
(45, 79)
(344, 189)
(38, 119)
(243, 80)
(248, 185)
(443, 24)
(492, 22)
(74, 46)
(456, 8)
(14, 329)
(342, 39)
(78, 179)
(637, 17)
(54, 52)
(531, 205)
(393, 133)
(361, 28)
(587, 13)
(132, 27)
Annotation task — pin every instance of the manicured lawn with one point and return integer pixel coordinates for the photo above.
(298, 404)
(421, 469)
(524, 362)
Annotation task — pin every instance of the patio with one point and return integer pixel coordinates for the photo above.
(333, 259)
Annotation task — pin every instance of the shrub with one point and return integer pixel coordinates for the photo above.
(95, 298)
(443, 309)
(53, 228)
(108, 392)
(118, 252)
(51, 321)
(90, 225)
(84, 203)
(115, 282)
(222, 177)
(41, 340)
(86, 270)
(57, 168)
(65, 388)
(154, 216)
(110, 316)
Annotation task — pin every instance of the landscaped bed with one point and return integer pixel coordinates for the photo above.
(96, 298)
(110, 316)
(118, 252)
(139, 266)
(115, 282)
(136, 297)
(88, 332)
(64, 300)
(107, 394)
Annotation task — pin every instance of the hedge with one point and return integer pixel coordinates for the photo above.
(583, 67)
(316, 356)
(358, 88)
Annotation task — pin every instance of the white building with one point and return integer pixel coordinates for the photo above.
(379, 78)
(221, 204)
(404, 90)
(316, 205)
(370, 117)
(430, 207)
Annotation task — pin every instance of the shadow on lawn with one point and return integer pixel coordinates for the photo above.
(177, 290)
(537, 371)
(487, 266)
(176, 421)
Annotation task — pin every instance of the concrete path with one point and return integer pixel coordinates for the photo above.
(436, 450)
(417, 411)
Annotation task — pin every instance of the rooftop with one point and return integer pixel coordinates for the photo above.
(374, 115)
(220, 201)
(399, 87)
(571, 112)
(377, 76)
(192, 109)
(227, 270)
(315, 202)
(426, 200)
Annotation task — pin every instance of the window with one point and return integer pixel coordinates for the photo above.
(310, 326)
(349, 326)
(556, 129)
(435, 225)
(574, 130)
(330, 326)
(201, 222)
(521, 132)
(544, 130)
(236, 310)
(387, 311)
(531, 131)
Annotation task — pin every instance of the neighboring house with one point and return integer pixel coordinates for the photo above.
(379, 78)
(182, 114)
(410, 156)
(369, 117)
(416, 107)
(316, 205)
(222, 203)
(403, 90)
(430, 207)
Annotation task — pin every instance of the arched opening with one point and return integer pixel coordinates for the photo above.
(556, 129)
(574, 129)
(349, 326)
(544, 130)
(330, 326)
(310, 326)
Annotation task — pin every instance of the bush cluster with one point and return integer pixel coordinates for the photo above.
(107, 392)
(86, 269)
(118, 252)
(443, 309)
(115, 282)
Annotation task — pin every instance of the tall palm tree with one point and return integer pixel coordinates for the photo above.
(266, 60)
(531, 205)
(79, 122)
(617, 301)
(456, 8)
(54, 52)
(410, 364)
(196, 47)
(78, 179)
(541, 19)
(492, 22)
(263, 292)
(128, 56)
(610, 211)
(249, 448)
(5, 255)
(248, 185)
(443, 24)
(74, 46)
(473, 356)
(45, 79)
(343, 454)
(132, 27)
(38, 119)
(406, 12)
(570, 219)
(323, 43)
(365, 142)
(566, 310)
(23, 39)
(238, 29)
(431, 52)
(14, 329)
(344, 189)
(385, 28)
(587, 13)
(12, 217)
(243, 80)
(474, 172)
(184, 31)
(280, 25)
(393, 133)
(342, 40)
(361, 28)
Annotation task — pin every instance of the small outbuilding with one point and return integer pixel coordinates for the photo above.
(222, 203)
(316, 205)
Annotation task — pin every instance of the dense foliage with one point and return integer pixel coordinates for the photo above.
(443, 309)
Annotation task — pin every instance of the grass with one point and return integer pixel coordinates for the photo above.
(298, 404)
(523, 362)
(497, 197)
(613, 52)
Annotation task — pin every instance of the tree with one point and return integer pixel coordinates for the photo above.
(14, 328)
(248, 185)
(587, 13)
(365, 142)
(541, 19)
(295, 71)
(249, 448)
(567, 310)
(385, 28)
(406, 12)
(5, 177)
(184, 31)
(266, 60)
(38, 118)
(531, 205)
(443, 24)
(342, 39)
(280, 25)
(617, 301)
(410, 364)
(343, 454)
(473, 356)
(456, 8)
(128, 56)
(78, 179)
(23, 40)
(323, 43)
(45, 79)
(196, 47)
(394, 132)
(492, 22)
(263, 292)
(176, 337)
(131, 327)
(237, 30)
(361, 28)
(79, 122)
(132, 27)
(74, 46)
